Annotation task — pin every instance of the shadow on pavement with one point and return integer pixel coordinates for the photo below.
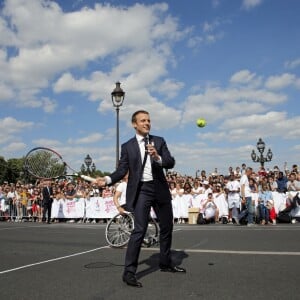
(153, 262)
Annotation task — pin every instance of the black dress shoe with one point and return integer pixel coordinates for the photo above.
(131, 280)
(175, 269)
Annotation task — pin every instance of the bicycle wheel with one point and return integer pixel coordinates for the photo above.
(118, 230)
(151, 236)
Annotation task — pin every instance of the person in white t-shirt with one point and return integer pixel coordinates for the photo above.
(246, 196)
(243, 169)
(197, 189)
(14, 199)
(233, 197)
(207, 188)
(293, 184)
(119, 197)
(209, 209)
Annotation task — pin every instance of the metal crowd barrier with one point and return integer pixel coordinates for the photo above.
(96, 208)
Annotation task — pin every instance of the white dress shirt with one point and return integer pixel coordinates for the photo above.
(147, 172)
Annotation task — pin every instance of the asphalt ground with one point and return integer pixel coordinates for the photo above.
(73, 261)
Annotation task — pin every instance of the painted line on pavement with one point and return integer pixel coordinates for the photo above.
(51, 260)
(287, 253)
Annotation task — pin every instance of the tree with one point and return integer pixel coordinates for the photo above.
(3, 169)
(15, 170)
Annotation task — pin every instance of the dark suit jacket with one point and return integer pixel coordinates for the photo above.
(47, 195)
(131, 161)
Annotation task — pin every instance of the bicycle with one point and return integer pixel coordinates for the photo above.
(119, 228)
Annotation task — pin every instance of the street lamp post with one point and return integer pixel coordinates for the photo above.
(82, 169)
(117, 97)
(93, 168)
(88, 161)
(261, 158)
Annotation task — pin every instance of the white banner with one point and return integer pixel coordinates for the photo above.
(100, 208)
(104, 208)
(68, 209)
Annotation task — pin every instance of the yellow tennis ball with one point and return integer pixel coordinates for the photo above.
(201, 122)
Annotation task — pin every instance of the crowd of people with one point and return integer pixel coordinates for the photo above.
(214, 190)
(25, 202)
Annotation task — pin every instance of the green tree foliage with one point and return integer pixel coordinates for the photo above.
(15, 170)
(3, 169)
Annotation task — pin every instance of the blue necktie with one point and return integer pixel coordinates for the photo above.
(146, 141)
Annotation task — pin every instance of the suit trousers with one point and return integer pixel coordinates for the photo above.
(147, 198)
(47, 209)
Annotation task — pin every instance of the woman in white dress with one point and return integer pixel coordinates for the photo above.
(185, 201)
(177, 194)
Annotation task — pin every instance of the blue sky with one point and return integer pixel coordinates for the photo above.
(235, 63)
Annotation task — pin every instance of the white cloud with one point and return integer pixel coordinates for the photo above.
(211, 32)
(203, 157)
(212, 38)
(215, 3)
(80, 54)
(6, 93)
(89, 139)
(217, 103)
(15, 147)
(206, 39)
(292, 64)
(243, 76)
(48, 105)
(169, 88)
(43, 142)
(49, 42)
(10, 128)
(249, 4)
(282, 81)
(68, 109)
(9, 125)
(208, 27)
(249, 127)
(195, 41)
(99, 86)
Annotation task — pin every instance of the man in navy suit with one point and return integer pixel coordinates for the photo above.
(47, 193)
(145, 156)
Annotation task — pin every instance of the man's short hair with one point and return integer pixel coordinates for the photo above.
(133, 118)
